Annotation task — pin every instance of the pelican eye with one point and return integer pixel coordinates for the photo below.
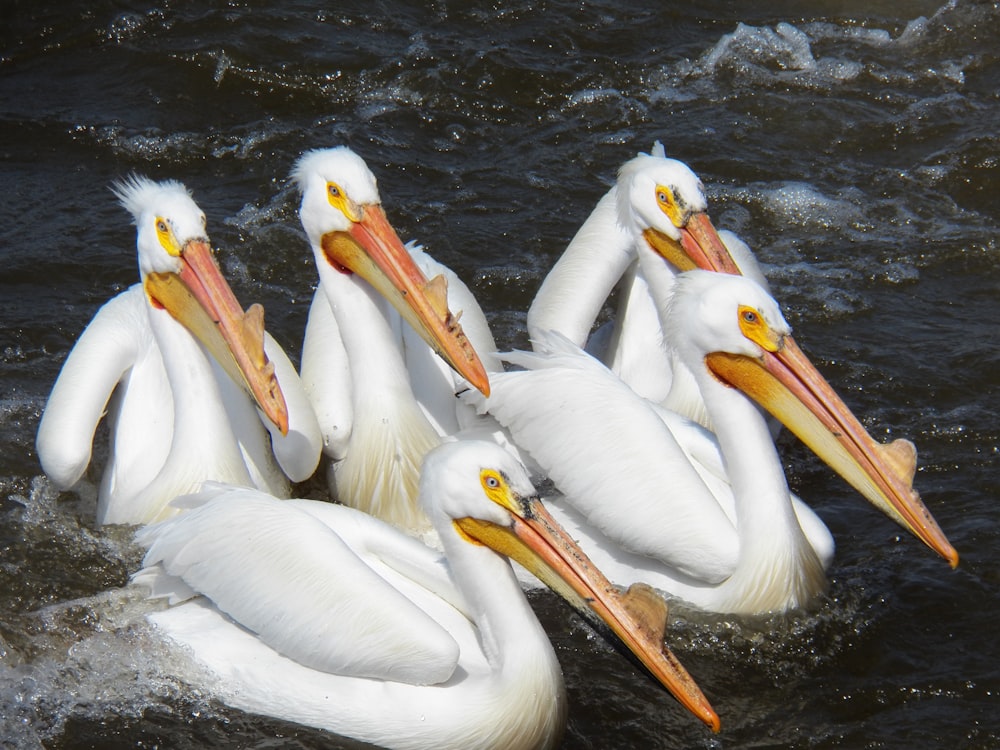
(165, 234)
(670, 205)
(755, 328)
(492, 480)
(339, 200)
(497, 489)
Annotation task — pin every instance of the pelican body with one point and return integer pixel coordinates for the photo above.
(383, 354)
(323, 615)
(193, 386)
(709, 516)
(652, 224)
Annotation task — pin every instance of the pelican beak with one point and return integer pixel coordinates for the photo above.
(787, 384)
(201, 300)
(637, 617)
(372, 249)
(699, 247)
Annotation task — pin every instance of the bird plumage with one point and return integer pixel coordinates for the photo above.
(370, 356)
(650, 225)
(323, 615)
(175, 414)
(710, 517)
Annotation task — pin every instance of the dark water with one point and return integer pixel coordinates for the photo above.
(853, 144)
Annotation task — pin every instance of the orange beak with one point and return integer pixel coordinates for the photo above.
(201, 300)
(699, 247)
(787, 384)
(637, 617)
(372, 249)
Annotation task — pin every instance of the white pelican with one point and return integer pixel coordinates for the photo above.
(382, 396)
(710, 522)
(652, 224)
(322, 615)
(175, 417)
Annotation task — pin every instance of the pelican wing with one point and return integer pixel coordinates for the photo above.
(462, 302)
(433, 381)
(388, 553)
(597, 440)
(99, 360)
(288, 577)
(326, 376)
(297, 451)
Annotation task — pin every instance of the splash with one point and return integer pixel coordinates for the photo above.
(81, 658)
(817, 56)
(85, 660)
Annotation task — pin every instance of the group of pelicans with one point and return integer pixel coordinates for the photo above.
(393, 615)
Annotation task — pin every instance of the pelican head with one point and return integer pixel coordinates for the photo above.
(737, 331)
(664, 202)
(343, 218)
(485, 494)
(714, 311)
(179, 274)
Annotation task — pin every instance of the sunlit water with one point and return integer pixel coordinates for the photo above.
(853, 145)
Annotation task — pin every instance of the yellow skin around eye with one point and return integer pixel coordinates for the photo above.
(755, 328)
(668, 204)
(339, 200)
(496, 489)
(168, 240)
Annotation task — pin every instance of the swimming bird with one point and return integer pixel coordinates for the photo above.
(383, 396)
(181, 371)
(652, 224)
(707, 518)
(323, 615)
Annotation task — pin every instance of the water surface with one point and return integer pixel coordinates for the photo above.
(853, 144)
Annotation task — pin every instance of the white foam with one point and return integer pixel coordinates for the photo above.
(817, 55)
(86, 658)
(592, 96)
(76, 659)
(802, 204)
